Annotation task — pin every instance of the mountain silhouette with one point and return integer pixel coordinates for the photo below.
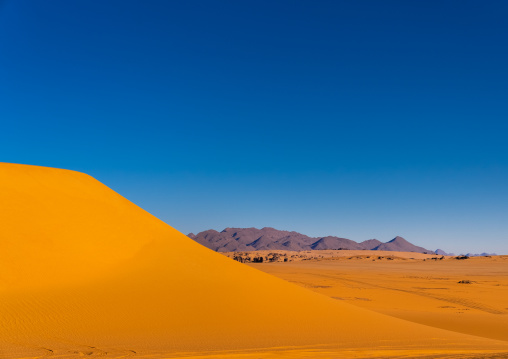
(401, 245)
(267, 238)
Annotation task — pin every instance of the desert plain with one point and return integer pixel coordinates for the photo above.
(86, 273)
(464, 295)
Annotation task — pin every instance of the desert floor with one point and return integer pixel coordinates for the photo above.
(426, 290)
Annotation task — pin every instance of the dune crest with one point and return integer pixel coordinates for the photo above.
(86, 272)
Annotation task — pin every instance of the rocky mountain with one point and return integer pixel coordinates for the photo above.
(370, 243)
(440, 252)
(443, 253)
(250, 239)
(401, 245)
(335, 243)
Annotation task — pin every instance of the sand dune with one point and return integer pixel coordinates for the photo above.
(86, 272)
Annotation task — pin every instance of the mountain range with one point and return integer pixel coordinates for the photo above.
(250, 239)
(484, 254)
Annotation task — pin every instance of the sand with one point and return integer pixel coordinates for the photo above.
(468, 296)
(86, 272)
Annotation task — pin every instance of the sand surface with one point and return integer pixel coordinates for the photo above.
(85, 272)
(468, 296)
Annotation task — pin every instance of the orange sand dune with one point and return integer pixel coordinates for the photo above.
(86, 272)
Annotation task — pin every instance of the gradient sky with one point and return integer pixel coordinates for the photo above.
(361, 119)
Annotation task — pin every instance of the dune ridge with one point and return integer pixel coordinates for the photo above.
(86, 272)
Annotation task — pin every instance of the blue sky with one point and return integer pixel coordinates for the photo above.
(361, 119)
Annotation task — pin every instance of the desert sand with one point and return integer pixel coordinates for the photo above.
(468, 296)
(86, 272)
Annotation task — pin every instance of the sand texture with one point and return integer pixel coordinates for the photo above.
(85, 272)
(468, 296)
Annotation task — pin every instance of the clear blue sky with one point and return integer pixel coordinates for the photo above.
(361, 119)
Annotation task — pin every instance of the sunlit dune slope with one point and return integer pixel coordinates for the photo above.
(85, 271)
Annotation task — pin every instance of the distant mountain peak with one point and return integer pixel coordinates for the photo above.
(371, 243)
(443, 253)
(268, 238)
(402, 245)
(481, 254)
